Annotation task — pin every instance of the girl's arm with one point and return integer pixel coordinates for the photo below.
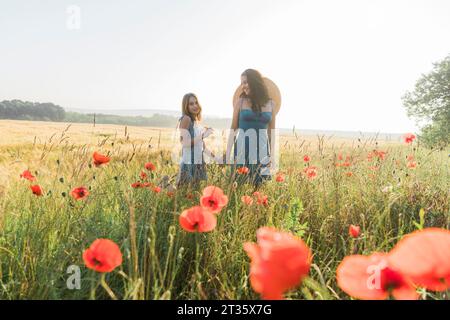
(185, 139)
(234, 126)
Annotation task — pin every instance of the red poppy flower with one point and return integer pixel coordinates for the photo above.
(410, 157)
(189, 196)
(409, 138)
(247, 200)
(279, 262)
(257, 194)
(411, 164)
(243, 170)
(79, 193)
(424, 256)
(136, 185)
(340, 157)
(150, 166)
(311, 172)
(263, 200)
(37, 190)
(213, 199)
(157, 189)
(354, 231)
(373, 278)
(143, 175)
(380, 154)
(344, 164)
(170, 194)
(198, 219)
(279, 177)
(306, 158)
(102, 256)
(27, 175)
(100, 159)
(349, 174)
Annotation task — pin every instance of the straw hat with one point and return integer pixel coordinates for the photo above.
(274, 94)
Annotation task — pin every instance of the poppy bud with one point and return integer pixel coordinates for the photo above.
(64, 194)
(354, 231)
(61, 180)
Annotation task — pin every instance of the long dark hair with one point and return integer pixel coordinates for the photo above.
(259, 94)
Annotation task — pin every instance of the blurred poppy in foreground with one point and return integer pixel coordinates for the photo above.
(102, 256)
(198, 219)
(373, 278)
(213, 199)
(100, 159)
(424, 256)
(421, 258)
(279, 262)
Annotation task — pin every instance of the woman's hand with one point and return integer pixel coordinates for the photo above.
(207, 132)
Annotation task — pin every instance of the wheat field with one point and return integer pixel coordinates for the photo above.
(381, 186)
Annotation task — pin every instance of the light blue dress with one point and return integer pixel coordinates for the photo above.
(251, 148)
(192, 165)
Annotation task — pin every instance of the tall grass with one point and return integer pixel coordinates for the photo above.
(40, 237)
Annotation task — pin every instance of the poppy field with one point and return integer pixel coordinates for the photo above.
(100, 218)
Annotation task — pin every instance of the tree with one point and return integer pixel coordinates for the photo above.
(20, 110)
(429, 103)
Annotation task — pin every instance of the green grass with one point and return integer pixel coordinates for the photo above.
(40, 237)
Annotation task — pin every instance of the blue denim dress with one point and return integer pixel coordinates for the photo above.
(251, 148)
(192, 165)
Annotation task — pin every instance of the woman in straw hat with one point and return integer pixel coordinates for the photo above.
(256, 103)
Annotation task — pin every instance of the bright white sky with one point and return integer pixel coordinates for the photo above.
(341, 65)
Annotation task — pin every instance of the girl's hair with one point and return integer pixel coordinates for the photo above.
(259, 94)
(185, 107)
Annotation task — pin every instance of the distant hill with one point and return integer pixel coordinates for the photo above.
(20, 110)
(127, 112)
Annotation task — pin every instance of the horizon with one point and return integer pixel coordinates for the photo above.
(340, 66)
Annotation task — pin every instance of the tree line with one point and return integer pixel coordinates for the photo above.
(26, 110)
(34, 111)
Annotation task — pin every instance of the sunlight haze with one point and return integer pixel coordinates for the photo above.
(340, 65)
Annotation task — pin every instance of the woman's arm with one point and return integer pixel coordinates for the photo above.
(185, 138)
(234, 126)
(270, 132)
